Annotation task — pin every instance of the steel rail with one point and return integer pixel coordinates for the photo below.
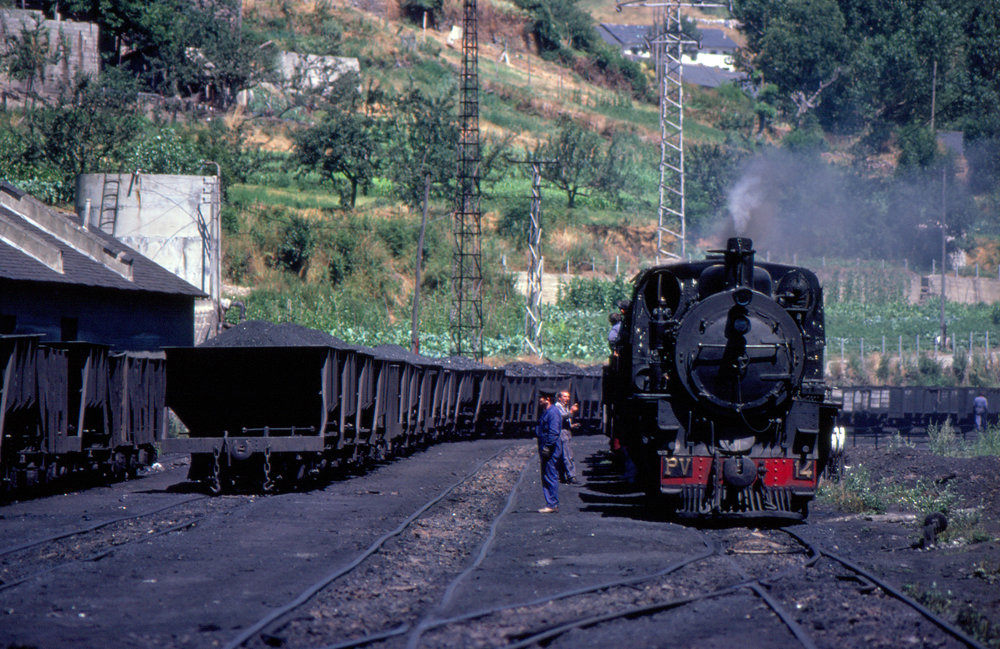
(948, 627)
(749, 583)
(96, 526)
(414, 640)
(103, 553)
(308, 593)
(535, 602)
(637, 611)
(753, 584)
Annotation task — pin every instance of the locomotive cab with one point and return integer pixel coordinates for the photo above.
(717, 388)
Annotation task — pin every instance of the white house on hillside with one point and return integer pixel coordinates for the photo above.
(716, 50)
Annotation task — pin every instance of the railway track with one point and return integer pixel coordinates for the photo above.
(24, 562)
(446, 549)
(774, 582)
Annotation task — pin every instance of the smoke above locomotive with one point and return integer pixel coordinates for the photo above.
(716, 388)
(798, 204)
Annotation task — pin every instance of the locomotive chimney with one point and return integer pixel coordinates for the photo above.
(739, 263)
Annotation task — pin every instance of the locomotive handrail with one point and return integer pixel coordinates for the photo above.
(774, 346)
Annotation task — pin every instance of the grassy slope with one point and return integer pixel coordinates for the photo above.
(527, 113)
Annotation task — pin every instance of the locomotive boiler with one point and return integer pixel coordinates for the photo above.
(716, 390)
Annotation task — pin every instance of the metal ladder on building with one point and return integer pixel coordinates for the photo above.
(109, 204)
(208, 224)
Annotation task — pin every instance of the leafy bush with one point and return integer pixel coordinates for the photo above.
(959, 362)
(298, 244)
(942, 439)
(883, 368)
(514, 223)
(855, 492)
(164, 151)
(594, 294)
(929, 371)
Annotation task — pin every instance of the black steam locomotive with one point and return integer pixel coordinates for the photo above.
(716, 389)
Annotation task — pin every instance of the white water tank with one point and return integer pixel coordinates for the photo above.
(173, 220)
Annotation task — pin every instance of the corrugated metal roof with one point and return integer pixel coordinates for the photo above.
(119, 267)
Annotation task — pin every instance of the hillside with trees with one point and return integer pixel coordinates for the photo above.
(829, 148)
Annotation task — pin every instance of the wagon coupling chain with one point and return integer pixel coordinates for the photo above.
(268, 483)
(216, 485)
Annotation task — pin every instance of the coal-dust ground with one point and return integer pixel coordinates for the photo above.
(203, 585)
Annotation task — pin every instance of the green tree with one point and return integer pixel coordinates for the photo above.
(424, 145)
(618, 178)
(558, 25)
(574, 157)
(415, 10)
(982, 124)
(181, 47)
(864, 65)
(902, 54)
(345, 146)
(91, 128)
(798, 45)
(25, 53)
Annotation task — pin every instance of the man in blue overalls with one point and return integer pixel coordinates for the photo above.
(549, 450)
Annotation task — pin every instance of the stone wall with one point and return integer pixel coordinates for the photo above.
(965, 290)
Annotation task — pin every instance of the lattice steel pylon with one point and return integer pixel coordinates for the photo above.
(467, 270)
(670, 73)
(533, 315)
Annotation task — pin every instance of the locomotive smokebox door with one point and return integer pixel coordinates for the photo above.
(739, 358)
(738, 353)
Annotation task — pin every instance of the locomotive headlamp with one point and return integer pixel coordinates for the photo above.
(741, 324)
(742, 296)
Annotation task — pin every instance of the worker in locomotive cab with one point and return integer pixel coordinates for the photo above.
(549, 450)
(615, 320)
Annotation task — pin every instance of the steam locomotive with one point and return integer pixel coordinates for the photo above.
(715, 387)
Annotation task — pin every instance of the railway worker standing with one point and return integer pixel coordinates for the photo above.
(980, 408)
(549, 449)
(567, 469)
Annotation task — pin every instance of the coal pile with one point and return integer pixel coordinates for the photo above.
(401, 354)
(561, 369)
(462, 363)
(518, 368)
(260, 333)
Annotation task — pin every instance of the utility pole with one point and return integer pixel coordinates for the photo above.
(533, 310)
(669, 47)
(467, 272)
(944, 254)
(415, 327)
(533, 316)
